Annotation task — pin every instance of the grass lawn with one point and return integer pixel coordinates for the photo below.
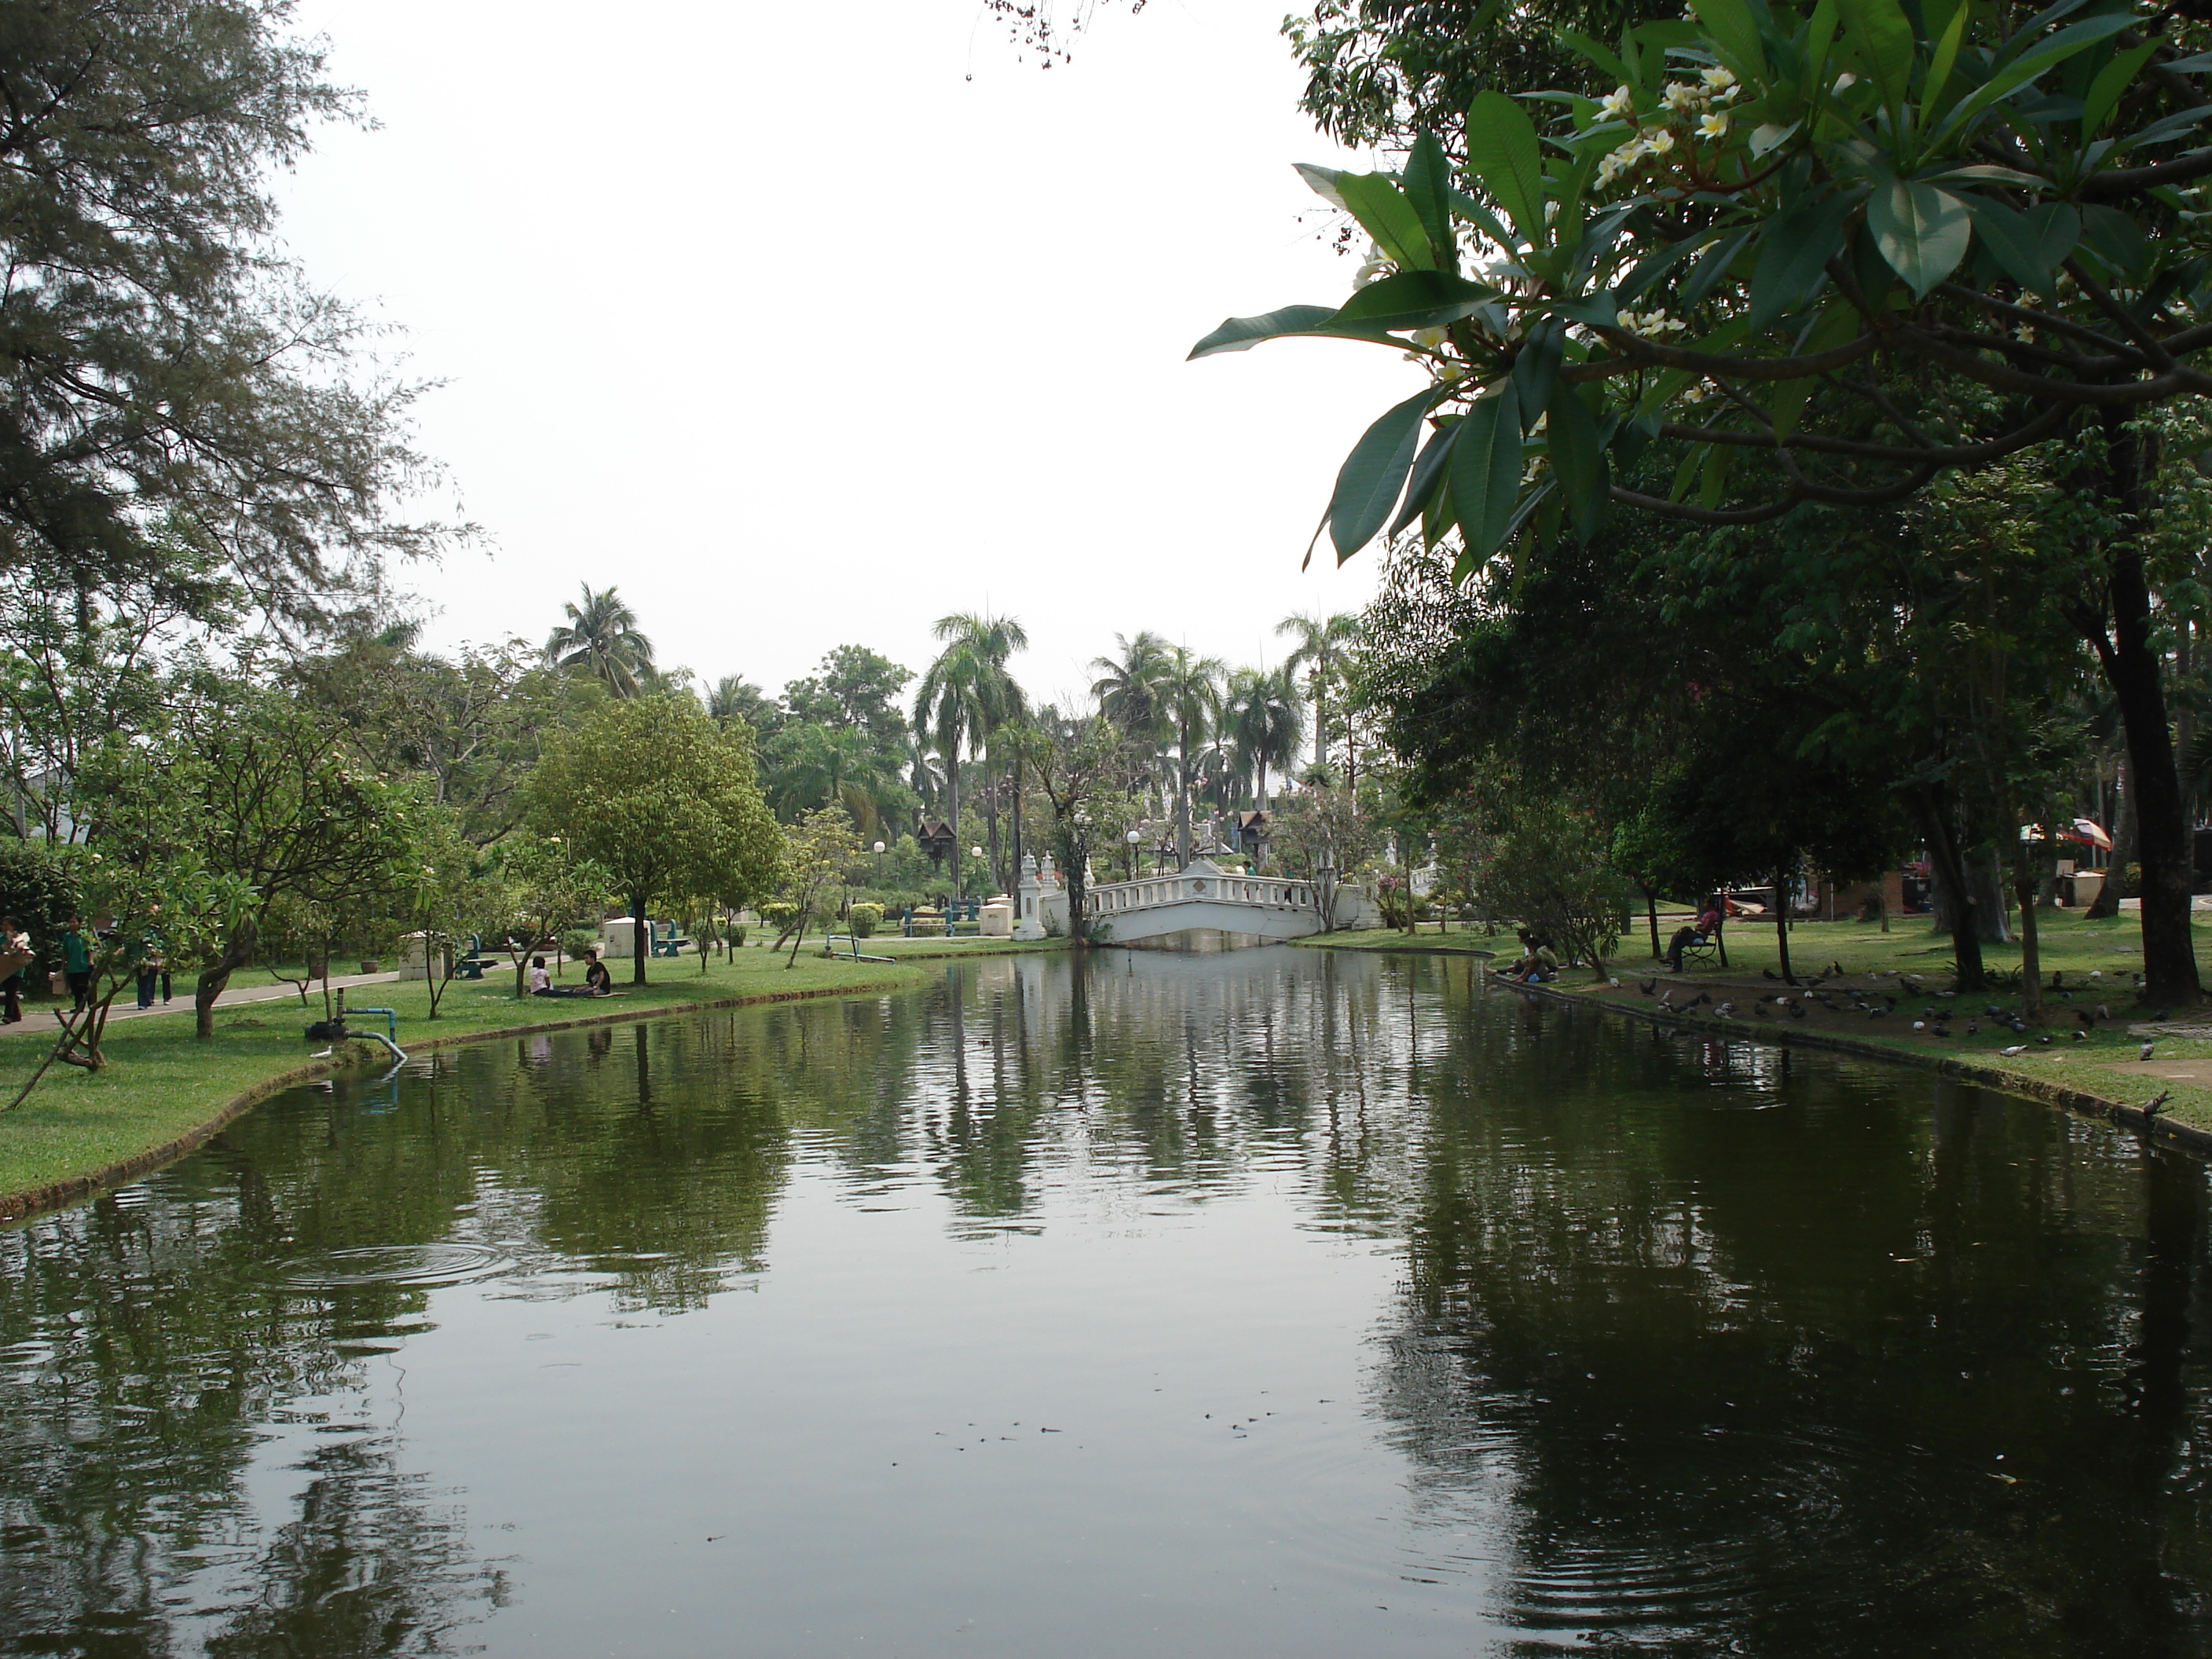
(161, 1083)
(2097, 961)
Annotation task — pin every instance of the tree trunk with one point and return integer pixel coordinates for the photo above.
(1946, 866)
(1651, 915)
(237, 952)
(2132, 668)
(640, 943)
(1014, 829)
(1182, 800)
(2163, 838)
(952, 811)
(2031, 959)
(1780, 925)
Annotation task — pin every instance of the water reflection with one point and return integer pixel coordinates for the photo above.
(1363, 1303)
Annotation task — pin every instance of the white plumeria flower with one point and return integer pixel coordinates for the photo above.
(1682, 95)
(1429, 338)
(1451, 373)
(1659, 140)
(1620, 107)
(1719, 80)
(1714, 125)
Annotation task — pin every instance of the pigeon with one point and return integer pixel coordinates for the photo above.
(1702, 997)
(1877, 1013)
(2044, 1039)
(2085, 1017)
(2016, 1049)
(2056, 976)
(1667, 1000)
(2103, 1012)
(1835, 970)
(2144, 1052)
(1726, 1011)
(1972, 1026)
(2096, 973)
(1919, 1024)
(1647, 986)
(2157, 1102)
(1614, 983)
(1769, 973)
(1796, 1011)
(2080, 1037)
(1760, 1010)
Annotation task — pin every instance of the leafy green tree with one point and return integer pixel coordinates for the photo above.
(168, 377)
(536, 886)
(1816, 256)
(470, 725)
(736, 698)
(1318, 645)
(41, 889)
(1264, 723)
(244, 780)
(600, 642)
(650, 788)
(965, 695)
(822, 848)
(856, 689)
(1190, 701)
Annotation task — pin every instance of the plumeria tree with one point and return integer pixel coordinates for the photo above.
(1814, 254)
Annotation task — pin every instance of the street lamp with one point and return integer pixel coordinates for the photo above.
(1133, 837)
(880, 867)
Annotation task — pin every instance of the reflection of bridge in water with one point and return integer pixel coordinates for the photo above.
(1200, 897)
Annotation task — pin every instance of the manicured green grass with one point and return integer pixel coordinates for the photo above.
(161, 1083)
(2104, 1061)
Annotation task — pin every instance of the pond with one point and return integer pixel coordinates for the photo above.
(1275, 1301)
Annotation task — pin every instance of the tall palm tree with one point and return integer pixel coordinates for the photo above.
(807, 765)
(964, 697)
(1190, 698)
(1265, 721)
(600, 642)
(1319, 644)
(1129, 694)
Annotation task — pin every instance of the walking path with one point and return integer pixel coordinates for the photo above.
(39, 1018)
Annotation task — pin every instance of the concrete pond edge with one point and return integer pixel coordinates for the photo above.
(73, 1189)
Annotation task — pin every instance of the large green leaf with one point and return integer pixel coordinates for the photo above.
(1793, 257)
(1429, 188)
(2027, 247)
(1485, 472)
(2112, 80)
(2074, 38)
(1502, 152)
(1242, 333)
(1735, 31)
(1536, 368)
(1428, 474)
(1383, 213)
(1414, 299)
(1879, 33)
(1368, 483)
(1577, 458)
(1921, 230)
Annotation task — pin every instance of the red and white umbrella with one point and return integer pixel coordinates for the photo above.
(2089, 830)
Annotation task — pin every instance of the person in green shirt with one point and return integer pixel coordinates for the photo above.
(76, 962)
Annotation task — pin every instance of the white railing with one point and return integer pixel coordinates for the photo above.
(1151, 892)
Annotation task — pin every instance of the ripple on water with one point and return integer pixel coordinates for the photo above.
(1773, 1521)
(417, 1266)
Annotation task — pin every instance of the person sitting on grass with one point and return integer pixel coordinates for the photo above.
(1519, 965)
(598, 982)
(1539, 967)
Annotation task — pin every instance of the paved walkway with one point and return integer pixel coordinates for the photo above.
(39, 1016)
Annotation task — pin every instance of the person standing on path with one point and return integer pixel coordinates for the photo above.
(76, 963)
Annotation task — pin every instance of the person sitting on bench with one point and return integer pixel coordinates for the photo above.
(1707, 924)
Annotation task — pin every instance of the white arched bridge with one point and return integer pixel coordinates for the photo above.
(1200, 897)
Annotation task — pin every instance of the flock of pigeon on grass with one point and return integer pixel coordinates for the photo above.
(1935, 1020)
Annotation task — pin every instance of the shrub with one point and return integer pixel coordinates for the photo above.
(737, 931)
(865, 920)
(577, 940)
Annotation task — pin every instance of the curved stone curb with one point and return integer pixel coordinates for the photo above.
(70, 1189)
(2052, 1094)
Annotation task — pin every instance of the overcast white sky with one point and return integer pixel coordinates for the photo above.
(805, 324)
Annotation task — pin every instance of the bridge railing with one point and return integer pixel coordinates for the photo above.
(1150, 892)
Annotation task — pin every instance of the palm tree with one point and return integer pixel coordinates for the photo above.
(1319, 645)
(964, 697)
(1190, 699)
(1265, 721)
(600, 642)
(735, 697)
(809, 765)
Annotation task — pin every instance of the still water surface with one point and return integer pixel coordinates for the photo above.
(1274, 1302)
